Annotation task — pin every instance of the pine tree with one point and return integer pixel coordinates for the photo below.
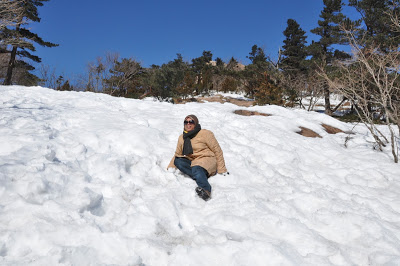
(66, 86)
(257, 55)
(202, 68)
(229, 84)
(293, 61)
(267, 92)
(59, 81)
(232, 64)
(329, 29)
(186, 86)
(253, 73)
(219, 62)
(11, 13)
(124, 77)
(219, 67)
(21, 39)
(294, 49)
(378, 30)
(166, 81)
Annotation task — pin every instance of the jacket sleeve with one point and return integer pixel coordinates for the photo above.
(178, 152)
(213, 144)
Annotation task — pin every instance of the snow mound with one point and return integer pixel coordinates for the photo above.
(83, 181)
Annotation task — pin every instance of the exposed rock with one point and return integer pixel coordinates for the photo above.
(331, 129)
(222, 99)
(306, 132)
(249, 113)
(240, 102)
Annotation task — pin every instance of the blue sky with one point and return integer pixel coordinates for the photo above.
(154, 31)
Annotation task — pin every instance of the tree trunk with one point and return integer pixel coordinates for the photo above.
(338, 106)
(398, 126)
(11, 65)
(327, 94)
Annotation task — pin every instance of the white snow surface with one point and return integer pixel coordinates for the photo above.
(83, 181)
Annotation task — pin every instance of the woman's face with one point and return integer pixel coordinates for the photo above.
(189, 124)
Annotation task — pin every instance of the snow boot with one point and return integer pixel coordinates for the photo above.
(202, 193)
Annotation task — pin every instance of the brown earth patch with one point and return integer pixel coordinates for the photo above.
(216, 98)
(249, 113)
(240, 102)
(306, 132)
(331, 129)
(222, 99)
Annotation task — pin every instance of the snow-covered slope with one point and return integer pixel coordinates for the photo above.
(83, 181)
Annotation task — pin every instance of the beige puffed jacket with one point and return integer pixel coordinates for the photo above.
(206, 153)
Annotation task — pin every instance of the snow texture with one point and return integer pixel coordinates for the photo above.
(83, 181)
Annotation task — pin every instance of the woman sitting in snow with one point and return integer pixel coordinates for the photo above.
(198, 155)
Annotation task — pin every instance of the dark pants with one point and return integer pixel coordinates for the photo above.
(198, 173)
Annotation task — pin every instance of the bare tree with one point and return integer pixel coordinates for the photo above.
(394, 16)
(99, 71)
(47, 76)
(371, 82)
(312, 90)
(307, 86)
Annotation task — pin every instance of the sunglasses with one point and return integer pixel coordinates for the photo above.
(189, 122)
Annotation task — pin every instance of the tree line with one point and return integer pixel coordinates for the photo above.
(366, 77)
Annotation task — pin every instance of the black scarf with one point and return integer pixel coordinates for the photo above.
(187, 136)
